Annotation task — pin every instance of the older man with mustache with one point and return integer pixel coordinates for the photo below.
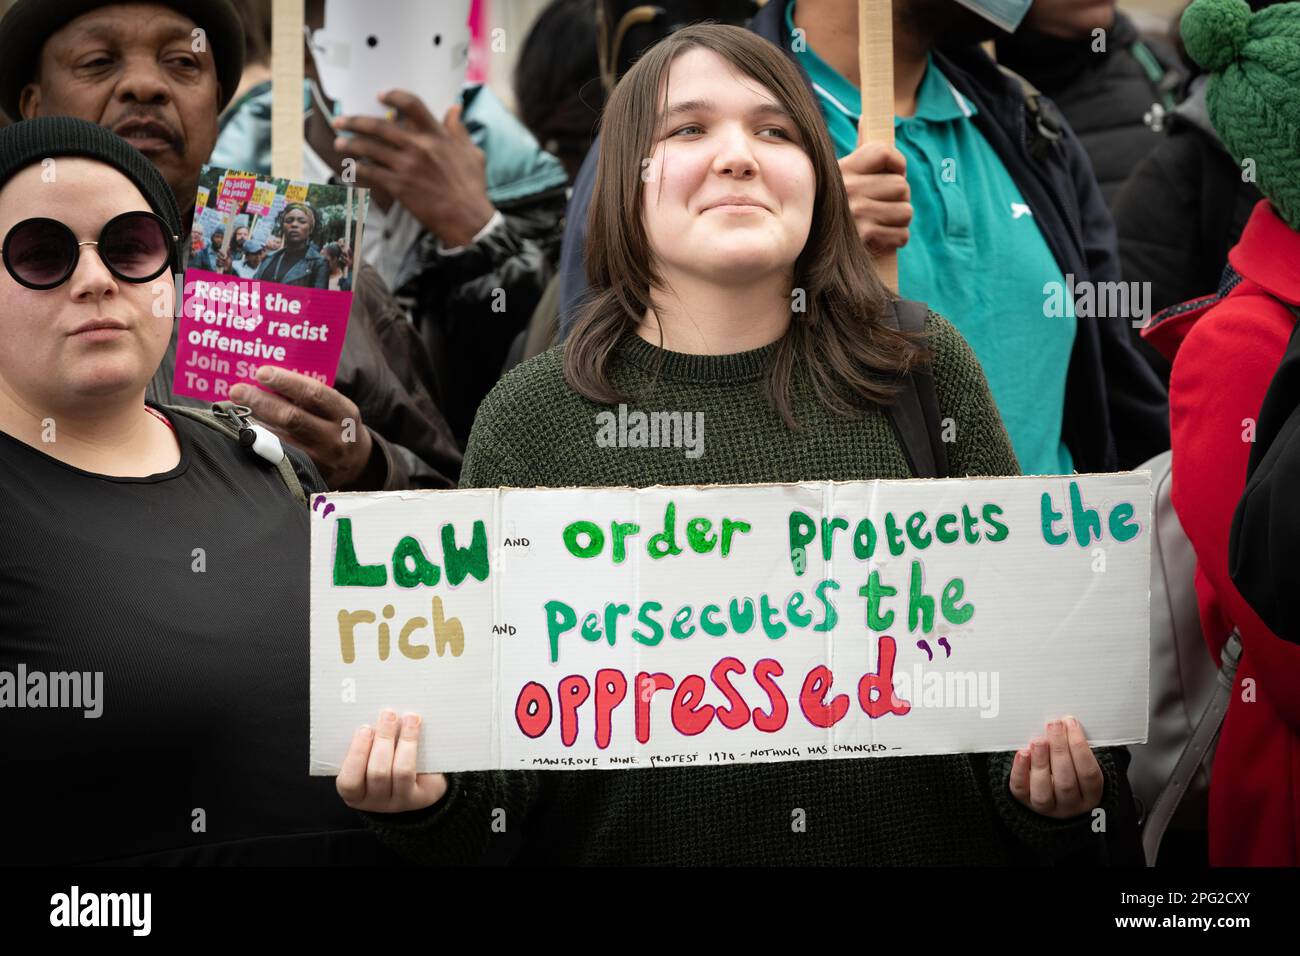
(138, 69)
(158, 75)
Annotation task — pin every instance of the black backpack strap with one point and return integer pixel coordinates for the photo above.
(915, 412)
(231, 420)
(1163, 81)
(1043, 118)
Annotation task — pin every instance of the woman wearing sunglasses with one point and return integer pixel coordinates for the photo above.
(153, 579)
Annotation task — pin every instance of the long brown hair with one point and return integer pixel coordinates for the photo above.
(852, 359)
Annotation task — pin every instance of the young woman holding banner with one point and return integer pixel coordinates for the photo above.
(728, 279)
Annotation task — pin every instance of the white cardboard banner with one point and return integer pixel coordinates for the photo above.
(606, 627)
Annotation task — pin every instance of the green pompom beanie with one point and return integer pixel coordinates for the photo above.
(1254, 89)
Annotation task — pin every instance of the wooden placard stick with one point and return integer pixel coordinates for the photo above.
(253, 220)
(347, 230)
(230, 231)
(876, 69)
(360, 230)
(286, 88)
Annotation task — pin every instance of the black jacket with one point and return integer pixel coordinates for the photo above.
(471, 306)
(310, 272)
(1116, 410)
(1183, 208)
(385, 369)
(1266, 527)
(1106, 97)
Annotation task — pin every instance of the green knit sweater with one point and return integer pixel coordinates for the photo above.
(533, 430)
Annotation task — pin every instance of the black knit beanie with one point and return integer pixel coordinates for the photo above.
(29, 23)
(46, 137)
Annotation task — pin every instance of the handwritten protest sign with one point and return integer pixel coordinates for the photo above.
(239, 313)
(606, 628)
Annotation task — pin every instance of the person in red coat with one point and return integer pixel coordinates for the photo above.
(1225, 350)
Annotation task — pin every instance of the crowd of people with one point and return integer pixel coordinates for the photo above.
(634, 234)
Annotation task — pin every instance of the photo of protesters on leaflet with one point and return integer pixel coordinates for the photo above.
(696, 257)
(300, 261)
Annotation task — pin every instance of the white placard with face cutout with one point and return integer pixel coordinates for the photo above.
(368, 47)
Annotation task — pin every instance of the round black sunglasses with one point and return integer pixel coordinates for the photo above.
(43, 253)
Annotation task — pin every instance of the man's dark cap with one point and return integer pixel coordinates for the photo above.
(29, 23)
